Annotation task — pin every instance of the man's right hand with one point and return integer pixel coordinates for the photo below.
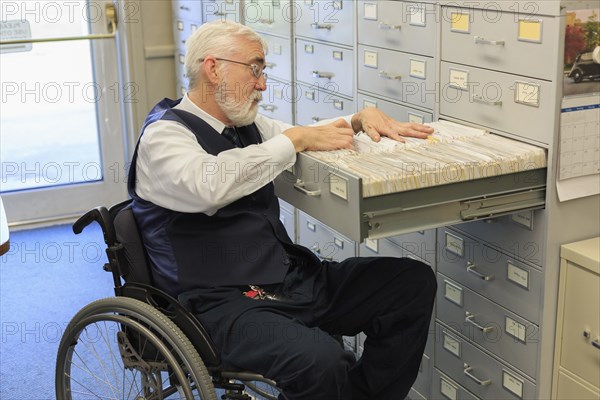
(333, 136)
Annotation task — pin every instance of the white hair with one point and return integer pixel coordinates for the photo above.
(215, 38)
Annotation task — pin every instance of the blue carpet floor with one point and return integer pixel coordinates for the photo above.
(45, 278)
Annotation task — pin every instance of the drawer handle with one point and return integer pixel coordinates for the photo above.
(219, 14)
(268, 107)
(384, 26)
(480, 40)
(321, 26)
(472, 269)
(300, 187)
(596, 344)
(267, 21)
(315, 119)
(270, 65)
(467, 370)
(318, 74)
(184, 8)
(479, 99)
(469, 319)
(317, 252)
(387, 75)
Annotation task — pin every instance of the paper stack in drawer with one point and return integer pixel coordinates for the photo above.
(453, 153)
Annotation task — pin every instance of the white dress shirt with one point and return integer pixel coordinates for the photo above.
(175, 172)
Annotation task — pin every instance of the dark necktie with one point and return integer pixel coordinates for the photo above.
(232, 135)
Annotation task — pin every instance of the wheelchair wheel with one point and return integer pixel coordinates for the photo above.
(121, 348)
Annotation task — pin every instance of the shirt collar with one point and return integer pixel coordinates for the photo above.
(188, 105)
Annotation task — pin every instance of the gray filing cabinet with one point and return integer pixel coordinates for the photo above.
(495, 65)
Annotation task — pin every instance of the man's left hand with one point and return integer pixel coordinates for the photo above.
(376, 123)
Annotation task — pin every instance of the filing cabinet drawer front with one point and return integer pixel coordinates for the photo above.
(494, 275)
(405, 77)
(278, 101)
(496, 329)
(397, 111)
(314, 105)
(414, 395)
(423, 382)
(325, 66)
(284, 205)
(569, 388)
(490, 39)
(381, 248)
(519, 235)
(420, 243)
(287, 218)
(330, 20)
(582, 297)
(182, 30)
(498, 101)
(229, 10)
(477, 371)
(398, 25)
(322, 240)
(188, 9)
(444, 388)
(279, 58)
(269, 16)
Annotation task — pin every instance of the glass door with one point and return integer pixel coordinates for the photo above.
(61, 123)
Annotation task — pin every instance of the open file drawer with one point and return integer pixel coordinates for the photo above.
(336, 197)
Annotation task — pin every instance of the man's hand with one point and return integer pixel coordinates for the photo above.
(375, 123)
(333, 136)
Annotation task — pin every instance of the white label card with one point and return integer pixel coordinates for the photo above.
(417, 14)
(417, 69)
(278, 93)
(417, 119)
(454, 244)
(338, 186)
(452, 345)
(527, 94)
(309, 48)
(338, 242)
(338, 104)
(448, 390)
(310, 95)
(453, 293)
(277, 49)
(369, 103)
(180, 25)
(459, 79)
(524, 218)
(338, 55)
(370, 11)
(513, 384)
(515, 329)
(372, 244)
(370, 59)
(517, 275)
(311, 226)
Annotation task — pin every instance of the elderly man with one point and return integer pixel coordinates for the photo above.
(214, 238)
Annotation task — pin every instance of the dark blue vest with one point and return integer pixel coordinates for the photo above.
(243, 243)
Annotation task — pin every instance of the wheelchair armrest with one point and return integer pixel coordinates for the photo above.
(102, 217)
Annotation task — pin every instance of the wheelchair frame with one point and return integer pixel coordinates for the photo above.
(154, 335)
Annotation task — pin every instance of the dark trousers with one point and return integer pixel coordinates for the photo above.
(289, 341)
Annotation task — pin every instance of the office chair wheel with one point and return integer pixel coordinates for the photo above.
(122, 348)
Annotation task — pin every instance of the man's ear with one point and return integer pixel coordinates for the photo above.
(210, 69)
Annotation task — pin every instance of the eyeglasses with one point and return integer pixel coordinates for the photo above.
(257, 71)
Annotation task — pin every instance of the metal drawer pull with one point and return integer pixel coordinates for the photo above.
(299, 185)
(596, 344)
(387, 75)
(270, 65)
(467, 370)
(321, 26)
(472, 269)
(384, 26)
(267, 21)
(315, 119)
(480, 40)
(469, 318)
(318, 74)
(317, 252)
(268, 107)
(219, 14)
(479, 99)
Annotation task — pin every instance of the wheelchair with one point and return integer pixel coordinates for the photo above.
(142, 344)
